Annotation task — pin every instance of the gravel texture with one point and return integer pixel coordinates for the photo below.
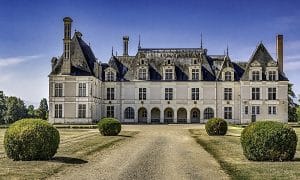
(157, 152)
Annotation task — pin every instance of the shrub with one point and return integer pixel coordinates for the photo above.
(31, 139)
(269, 141)
(109, 127)
(216, 127)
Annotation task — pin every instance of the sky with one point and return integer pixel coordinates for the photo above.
(31, 33)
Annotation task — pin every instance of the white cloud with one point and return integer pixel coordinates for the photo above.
(4, 62)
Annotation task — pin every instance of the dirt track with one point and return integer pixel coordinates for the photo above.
(157, 152)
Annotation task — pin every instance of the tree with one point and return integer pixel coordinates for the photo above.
(43, 109)
(30, 111)
(16, 109)
(2, 107)
(292, 106)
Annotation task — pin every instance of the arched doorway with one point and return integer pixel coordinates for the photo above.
(181, 115)
(168, 115)
(155, 115)
(195, 115)
(142, 115)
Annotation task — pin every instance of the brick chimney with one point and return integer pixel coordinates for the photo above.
(125, 45)
(279, 50)
(66, 67)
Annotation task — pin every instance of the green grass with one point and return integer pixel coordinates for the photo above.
(228, 152)
(75, 146)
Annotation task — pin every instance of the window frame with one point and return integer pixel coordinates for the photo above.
(272, 93)
(255, 93)
(255, 75)
(82, 110)
(195, 94)
(129, 113)
(142, 74)
(195, 74)
(168, 94)
(227, 76)
(208, 113)
(58, 89)
(82, 89)
(228, 94)
(169, 74)
(58, 110)
(110, 93)
(142, 93)
(110, 111)
(227, 112)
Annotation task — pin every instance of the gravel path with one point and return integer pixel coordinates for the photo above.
(157, 152)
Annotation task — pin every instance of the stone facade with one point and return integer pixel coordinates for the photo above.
(165, 85)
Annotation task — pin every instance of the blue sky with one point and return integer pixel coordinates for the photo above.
(31, 33)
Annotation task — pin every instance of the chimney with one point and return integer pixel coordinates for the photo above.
(279, 50)
(125, 45)
(66, 68)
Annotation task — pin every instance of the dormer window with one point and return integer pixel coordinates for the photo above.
(195, 61)
(228, 76)
(142, 62)
(255, 76)
(169, 61)
(142, 74)
(195, 74)
(169, 74)
(110, 76)
(272, 76)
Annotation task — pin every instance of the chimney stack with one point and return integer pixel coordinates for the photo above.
(125, 45)
(66, 68)
(279, 50)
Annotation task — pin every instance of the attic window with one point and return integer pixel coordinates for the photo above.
(195, 61)
(272, 75)
(142, 62)
(110, 76)
(169, 62)
(255, 76)
(227, 76)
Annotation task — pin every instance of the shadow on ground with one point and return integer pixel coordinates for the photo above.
(68, 160)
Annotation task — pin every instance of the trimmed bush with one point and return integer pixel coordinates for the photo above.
(109, 126)
(31, 139)
(269, 141)
(216, 127)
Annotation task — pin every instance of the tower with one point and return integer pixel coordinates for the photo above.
(66, 68)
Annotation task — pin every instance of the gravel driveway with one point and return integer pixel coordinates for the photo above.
(157, 152)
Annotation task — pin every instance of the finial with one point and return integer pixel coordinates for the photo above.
(139, 46)
(112, 51)
(201, 41)
(116, 53)
(227, 51)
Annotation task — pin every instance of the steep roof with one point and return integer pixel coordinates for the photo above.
(82, 58)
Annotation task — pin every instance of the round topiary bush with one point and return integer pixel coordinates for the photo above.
(216, 127)
(31, 139)
(109, 126)
(269, 141)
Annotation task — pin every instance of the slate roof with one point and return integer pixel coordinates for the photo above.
(83, 60)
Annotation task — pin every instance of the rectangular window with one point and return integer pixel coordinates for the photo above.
(81, 110)
(227, 93)
(58, 111)
(168, 93)
(110, 76)
(142, 93)
(110, 94)
(255, 76)
(58, 89)
(255, 93)
(195, 74)
(142, 74)
(272, 75)
(110, 111)
(195, 93)
(272, 110)
(82, 90)
(246, 110)
(271, 93)
(169, 74)
(227, 112)
(255, 110)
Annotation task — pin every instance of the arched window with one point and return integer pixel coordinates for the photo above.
(227, 76)
(208, 113)
(129, 113)
(255, 75)
(110, 76)
(142, 74)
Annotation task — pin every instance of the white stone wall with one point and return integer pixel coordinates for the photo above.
(211, 95)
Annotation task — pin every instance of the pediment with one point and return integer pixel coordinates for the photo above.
(272, 64)
(255, 64)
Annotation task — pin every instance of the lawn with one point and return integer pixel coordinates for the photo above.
(228, 152)
(75, 146)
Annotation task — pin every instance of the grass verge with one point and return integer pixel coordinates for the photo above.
(229, 154)
(75, 147)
